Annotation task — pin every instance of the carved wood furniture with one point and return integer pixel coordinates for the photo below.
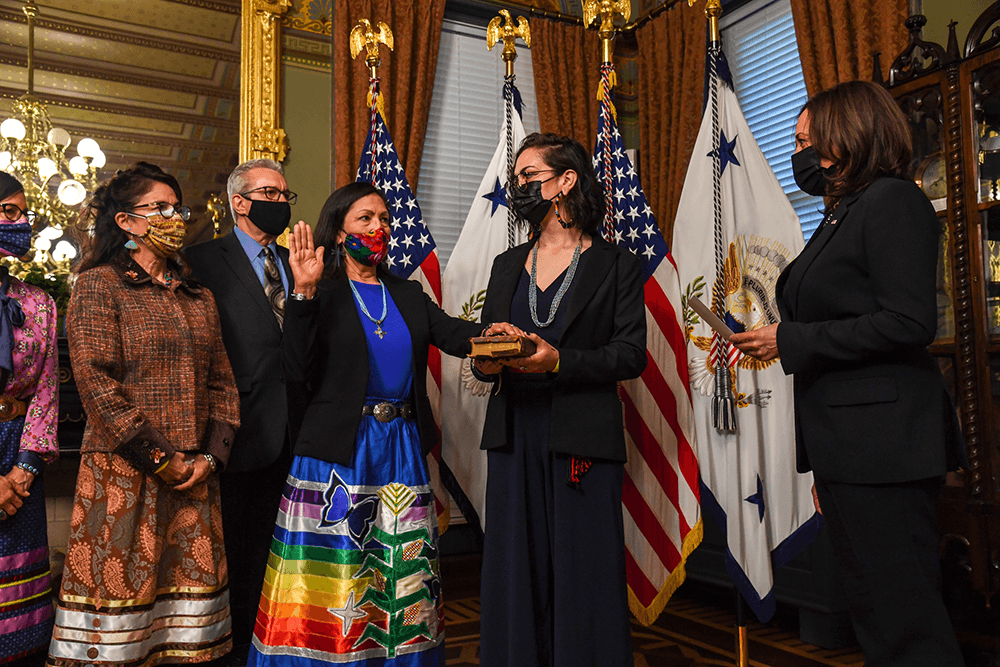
(952, 100)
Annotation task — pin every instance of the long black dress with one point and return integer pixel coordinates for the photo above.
(553, 586)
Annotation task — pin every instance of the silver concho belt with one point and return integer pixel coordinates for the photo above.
(386, 412)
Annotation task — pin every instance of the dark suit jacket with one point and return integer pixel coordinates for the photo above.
(603, 341)
(252, 338)
(858, 309)
(325, 349)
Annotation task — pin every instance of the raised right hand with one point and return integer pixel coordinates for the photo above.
(305, 259)
(176, 471)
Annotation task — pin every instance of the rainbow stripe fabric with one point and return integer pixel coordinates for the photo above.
(353, 575)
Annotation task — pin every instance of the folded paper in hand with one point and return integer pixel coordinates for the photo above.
(711, 319)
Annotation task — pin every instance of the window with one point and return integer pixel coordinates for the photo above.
(464, 126)
(759, 40)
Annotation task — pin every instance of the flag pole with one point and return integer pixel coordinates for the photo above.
(605, 10)
(713, 10)
(507, 31)
(364, 36)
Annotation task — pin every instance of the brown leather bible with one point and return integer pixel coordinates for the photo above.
(501, 347)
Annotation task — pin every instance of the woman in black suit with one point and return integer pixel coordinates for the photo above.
(553, 587)
(874, 421)
(353, 575)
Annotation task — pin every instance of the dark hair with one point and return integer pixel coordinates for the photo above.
(331, 222)
(860, 128)
(585, 201)
(119, 194)
(9, 185)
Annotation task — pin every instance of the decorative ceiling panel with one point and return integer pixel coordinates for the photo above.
(158, 15)
(154, 80)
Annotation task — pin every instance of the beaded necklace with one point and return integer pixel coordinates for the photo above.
(567, 281)
(379, 331)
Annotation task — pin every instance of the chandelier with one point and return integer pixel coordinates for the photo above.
(34, 152)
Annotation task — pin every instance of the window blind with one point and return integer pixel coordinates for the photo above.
(759, 40)
(464, 126)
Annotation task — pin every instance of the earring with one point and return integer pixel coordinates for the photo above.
(130, 244)
(563, 223)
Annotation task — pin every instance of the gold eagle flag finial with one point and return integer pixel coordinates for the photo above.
(605, 10)
(507, 31)
(364, 36)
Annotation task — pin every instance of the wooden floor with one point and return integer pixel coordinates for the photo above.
(693, 630)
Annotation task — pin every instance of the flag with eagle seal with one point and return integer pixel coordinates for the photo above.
(734, 233)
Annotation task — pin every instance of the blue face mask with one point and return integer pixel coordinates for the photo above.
(15, 237)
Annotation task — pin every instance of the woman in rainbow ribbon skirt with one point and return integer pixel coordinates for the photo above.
(145, 581)
(353, 577)
(29, 408)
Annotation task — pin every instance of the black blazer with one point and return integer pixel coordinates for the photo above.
(603, 341)
(858, 309)
(252, 338)
(325, 349)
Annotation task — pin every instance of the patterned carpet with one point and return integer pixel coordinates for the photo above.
(693, 630)
(688, 633)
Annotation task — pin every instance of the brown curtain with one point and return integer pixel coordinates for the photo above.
(406, 80)
(837, 38)
(671, 90)
(566, 60)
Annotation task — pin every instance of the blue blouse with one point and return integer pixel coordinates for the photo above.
(390, 357)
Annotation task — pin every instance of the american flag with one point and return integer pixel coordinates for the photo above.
(660, 500)
(412, 255)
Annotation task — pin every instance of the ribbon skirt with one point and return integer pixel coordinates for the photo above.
(353, 575)
(25, 589)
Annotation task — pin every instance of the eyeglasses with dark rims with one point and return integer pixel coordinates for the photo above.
(272, 194)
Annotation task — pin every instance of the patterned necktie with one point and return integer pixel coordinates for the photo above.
(273, 289)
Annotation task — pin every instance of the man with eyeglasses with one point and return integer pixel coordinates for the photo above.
(249, 275)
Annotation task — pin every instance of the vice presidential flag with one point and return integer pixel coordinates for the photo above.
(488, 231)
(660, 497)
(734, 233)
(412, 255)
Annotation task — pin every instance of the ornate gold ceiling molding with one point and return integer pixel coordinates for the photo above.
(55, 67)
(310, 16)
(151, 139)
(122, 37)
(223, 7)
(125, 110)
(260, 133)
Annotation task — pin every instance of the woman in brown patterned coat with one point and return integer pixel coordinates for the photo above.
(145, 579)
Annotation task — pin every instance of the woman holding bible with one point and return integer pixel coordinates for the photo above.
(553, 585)
(353, 576)
(874, 422)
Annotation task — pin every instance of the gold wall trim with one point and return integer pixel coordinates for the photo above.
(224, 7)
(308, 25)
(307, 63)
(121, 37)
(260, 133)
(127, 110)
(303, 17)
(129, 79)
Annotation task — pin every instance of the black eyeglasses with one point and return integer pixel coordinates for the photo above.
(272, 194)
(525, 176)
(166, 210)
(13, 212)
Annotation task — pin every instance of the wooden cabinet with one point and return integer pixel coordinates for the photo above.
(952, 100)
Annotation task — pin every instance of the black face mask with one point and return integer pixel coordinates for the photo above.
(528, 203)
(810, 175)
(270, 217)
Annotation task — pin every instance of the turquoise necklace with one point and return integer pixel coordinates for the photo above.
(567, 281)
(379, 331)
